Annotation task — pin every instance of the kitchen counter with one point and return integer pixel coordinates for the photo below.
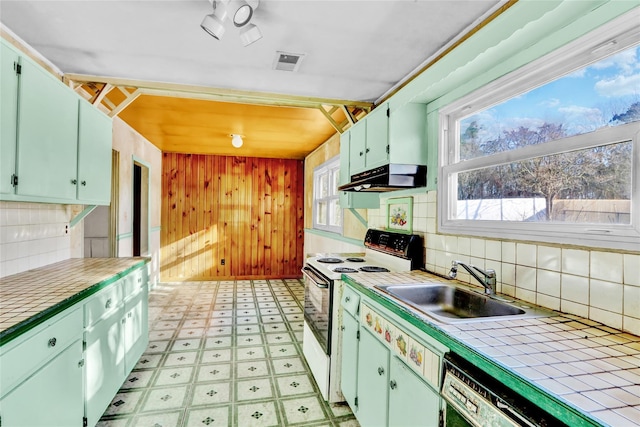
(579, 370)
(27, 299)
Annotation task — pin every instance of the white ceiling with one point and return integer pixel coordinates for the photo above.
(355, 50)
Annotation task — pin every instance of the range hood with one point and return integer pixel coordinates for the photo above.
(388, 178)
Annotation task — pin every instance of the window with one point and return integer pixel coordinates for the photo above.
(327, 214)
(550, 152)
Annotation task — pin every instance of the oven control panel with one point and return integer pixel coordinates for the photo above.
(403, 245)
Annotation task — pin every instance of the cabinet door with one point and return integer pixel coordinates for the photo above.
(349, 366)
(350, 199)
(94, 155)
(8, 116)
(373, 381)
(357, 147)
(104, 364)
(47, 135)
(377, 137)
(411, 401)
(53, 396)
(136, 328)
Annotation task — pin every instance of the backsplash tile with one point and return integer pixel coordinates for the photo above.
(594, 284)
(33, 235)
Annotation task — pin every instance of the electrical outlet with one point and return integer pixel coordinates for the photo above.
(222, 261)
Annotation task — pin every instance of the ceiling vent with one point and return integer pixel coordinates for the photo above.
(287, 61)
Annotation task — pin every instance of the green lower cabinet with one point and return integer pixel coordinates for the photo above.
(104, 364)
(411, 401)
(349, 367)
(53, 396)
(136, 328)
(373, 381)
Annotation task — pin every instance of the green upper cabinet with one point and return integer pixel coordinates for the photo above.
(350, 199)
(47, 135)
(389, 134)
(8, 116)
(94, 155)
(55, 147)
(357, 148)
(376, 151)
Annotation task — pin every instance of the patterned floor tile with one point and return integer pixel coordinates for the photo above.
(211, 394)
(254, 368)
(296, 384)
(181, 358)
(224, 354)
(303, 409)
(212, 417)
(262, 414)
(162, 399)
(124, 403)
(254, 389)
(164, 419)
(171, 376)
(217, 372)
(216, 356)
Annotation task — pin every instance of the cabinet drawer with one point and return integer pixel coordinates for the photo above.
(103, 303)
(350, 301)
(50, 340)
(133, 283)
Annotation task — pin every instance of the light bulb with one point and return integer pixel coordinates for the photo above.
(236, 140)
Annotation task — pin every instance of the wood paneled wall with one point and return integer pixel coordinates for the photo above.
(246, 211)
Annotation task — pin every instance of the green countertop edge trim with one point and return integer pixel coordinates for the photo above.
(562, 410)
(15, 331)
(333, 236)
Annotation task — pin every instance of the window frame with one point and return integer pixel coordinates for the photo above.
(591, 48)
(328, 168)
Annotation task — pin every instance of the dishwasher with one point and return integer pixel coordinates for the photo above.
(474, 398)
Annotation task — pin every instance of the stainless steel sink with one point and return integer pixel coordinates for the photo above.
(450, 304)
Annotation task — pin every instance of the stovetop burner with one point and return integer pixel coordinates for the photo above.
(344, 270)
(373, 269)
(355, 259)
(330, 260)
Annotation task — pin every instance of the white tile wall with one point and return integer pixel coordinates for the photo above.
(595, 284)
(33, 235)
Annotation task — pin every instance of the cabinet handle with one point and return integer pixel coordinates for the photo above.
(74, 181)
(108, 303)
(81, 363)
(52, 342)
(381, 371)
(84, 183)
(342, 328)
(393, 384)
(362, 153)
(367, 150)
(347, 299)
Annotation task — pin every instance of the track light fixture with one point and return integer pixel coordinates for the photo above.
(242, 12)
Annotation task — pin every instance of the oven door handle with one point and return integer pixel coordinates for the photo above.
(319, 282)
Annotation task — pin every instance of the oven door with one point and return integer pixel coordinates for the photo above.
(318, 293)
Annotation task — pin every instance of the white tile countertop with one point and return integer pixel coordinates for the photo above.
(592, 367)
(28, 298)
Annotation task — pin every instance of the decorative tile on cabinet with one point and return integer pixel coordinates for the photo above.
(400, 343)
(416, 355)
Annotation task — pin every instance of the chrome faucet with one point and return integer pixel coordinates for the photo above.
(488, 281)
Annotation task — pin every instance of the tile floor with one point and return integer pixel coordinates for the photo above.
(225, 353)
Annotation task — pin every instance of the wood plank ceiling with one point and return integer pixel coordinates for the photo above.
(201, 120)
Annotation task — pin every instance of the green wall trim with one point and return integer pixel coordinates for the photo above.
(333, 236)
(124, 236)
(540, 397)
(15, 331)
(359, 217)
(156, 228)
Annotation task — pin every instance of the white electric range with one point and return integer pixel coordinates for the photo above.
(384, 252)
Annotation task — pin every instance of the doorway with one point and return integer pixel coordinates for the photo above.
(140, 209)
